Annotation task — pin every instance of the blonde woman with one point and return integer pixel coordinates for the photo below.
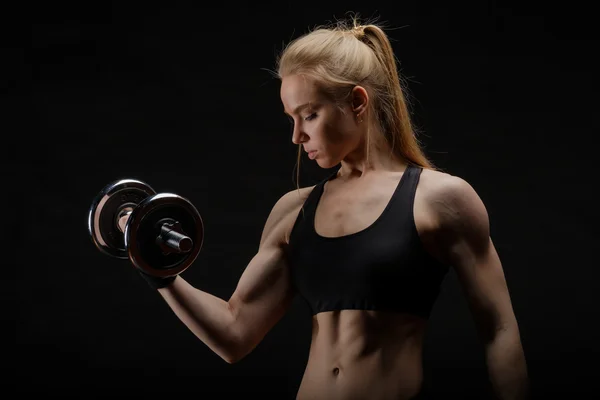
(369, 246)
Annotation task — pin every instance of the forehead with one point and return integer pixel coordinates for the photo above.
(297, 90)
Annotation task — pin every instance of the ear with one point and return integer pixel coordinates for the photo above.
(360, 100)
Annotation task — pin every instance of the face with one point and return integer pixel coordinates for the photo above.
(331, 131)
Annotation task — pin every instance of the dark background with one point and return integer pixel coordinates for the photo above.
(181, 97)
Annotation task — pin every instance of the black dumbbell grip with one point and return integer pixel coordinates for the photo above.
(155, 282)
(175, 240)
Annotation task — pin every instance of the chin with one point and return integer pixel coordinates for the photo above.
(325, 163)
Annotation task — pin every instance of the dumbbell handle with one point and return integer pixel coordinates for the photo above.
(173, 239)
(169, 239)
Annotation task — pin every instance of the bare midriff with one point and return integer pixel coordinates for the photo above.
(357, 354)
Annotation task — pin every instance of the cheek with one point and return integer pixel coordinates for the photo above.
(335, 132)
(341, 142)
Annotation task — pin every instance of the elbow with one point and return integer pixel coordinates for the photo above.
(229, 359)
(505, 337)
(233, 357)
(236, 352)
(230, 353)
(240, 352)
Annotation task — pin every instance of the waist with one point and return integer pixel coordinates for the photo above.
(351, 335)
(347, 361)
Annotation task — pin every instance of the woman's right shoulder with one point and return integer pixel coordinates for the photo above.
(294, 199)
(283, 215)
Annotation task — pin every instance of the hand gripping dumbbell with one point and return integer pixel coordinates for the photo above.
(160, 233)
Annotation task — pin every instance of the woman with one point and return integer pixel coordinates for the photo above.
(369, 246)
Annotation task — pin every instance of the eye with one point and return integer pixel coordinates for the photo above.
(310, 117)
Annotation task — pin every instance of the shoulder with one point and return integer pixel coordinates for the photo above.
(292, 200)
(439, 185)
(283, 214)
(453, 205)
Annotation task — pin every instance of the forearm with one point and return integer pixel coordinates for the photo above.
(507, 366)
(207, 316)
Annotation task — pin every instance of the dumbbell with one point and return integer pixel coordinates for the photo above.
(160, 233)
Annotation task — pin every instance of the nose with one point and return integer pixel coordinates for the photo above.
(298, 136)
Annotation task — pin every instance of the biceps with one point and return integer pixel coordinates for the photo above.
(263, 294)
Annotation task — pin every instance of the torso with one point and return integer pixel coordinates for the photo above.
(358, 354)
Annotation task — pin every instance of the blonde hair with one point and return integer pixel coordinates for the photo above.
(342, 55)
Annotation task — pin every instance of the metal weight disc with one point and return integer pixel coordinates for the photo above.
(143, 228)
(104, 211)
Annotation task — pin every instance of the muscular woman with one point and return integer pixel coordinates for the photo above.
(369, 246)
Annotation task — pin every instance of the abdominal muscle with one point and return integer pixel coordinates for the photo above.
(357, 354)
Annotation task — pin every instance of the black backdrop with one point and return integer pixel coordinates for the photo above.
(181, 97)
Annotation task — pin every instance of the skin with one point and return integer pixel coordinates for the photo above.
(353, 354)
(358, 354)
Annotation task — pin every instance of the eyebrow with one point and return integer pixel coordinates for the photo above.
(297, 109)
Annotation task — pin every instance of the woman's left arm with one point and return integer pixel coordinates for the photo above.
(463, 241)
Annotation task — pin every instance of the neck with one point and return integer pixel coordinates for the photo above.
(381, 159)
